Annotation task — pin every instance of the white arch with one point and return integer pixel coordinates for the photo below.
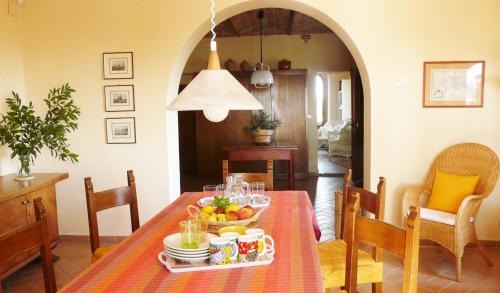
(228, 10)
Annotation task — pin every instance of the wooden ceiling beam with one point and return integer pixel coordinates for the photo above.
(230, 26)
(291, 18)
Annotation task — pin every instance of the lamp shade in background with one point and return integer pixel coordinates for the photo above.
(262, 76)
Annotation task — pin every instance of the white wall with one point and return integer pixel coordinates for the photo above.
(333, 85)
(63, 40)
(11, 69)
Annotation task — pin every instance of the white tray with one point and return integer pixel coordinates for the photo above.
(181, 267)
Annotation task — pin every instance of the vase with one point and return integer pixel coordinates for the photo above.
(24, 169)
(262, 136)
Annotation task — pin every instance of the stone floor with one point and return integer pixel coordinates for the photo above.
(436, 270)
(326, 166)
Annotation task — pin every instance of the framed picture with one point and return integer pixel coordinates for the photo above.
(120, 130)
(119, 98)
(119, 65)
(453, 84)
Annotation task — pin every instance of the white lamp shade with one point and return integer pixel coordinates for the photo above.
(214, 89)
(262, 77)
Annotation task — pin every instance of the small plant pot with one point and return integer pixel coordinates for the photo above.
(262, 136)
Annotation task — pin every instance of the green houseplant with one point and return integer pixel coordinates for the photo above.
(26, 133)
(262, 127)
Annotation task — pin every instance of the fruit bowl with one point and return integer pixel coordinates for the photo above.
(238, 229)
(213, 227)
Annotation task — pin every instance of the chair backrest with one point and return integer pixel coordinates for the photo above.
(468, 159)
(98, 201)
(402, 242)
(373, 203)
(35, 235)
(267, 177)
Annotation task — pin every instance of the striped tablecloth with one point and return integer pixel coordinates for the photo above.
(133, 266)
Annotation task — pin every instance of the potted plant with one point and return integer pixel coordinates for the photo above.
(26, 133)
(262, 127)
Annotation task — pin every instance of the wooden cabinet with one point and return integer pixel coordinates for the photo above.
(286, 98)
(16, 210)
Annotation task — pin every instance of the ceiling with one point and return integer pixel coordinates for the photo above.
(277, 21)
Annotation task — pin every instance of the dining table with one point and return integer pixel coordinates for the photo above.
(133, 265)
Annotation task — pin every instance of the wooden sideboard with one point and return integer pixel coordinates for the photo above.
(274, 151)
(16, 210)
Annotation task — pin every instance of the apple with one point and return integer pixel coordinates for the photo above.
(219, 211)
(232, 216)
(245, 212)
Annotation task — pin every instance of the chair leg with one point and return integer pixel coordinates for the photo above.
(458, 268)
(377, 287)
(480, 248)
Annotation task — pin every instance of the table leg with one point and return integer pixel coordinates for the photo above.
(291, 173)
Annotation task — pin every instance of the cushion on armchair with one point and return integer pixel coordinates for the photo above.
(439, 216)
(449, 190)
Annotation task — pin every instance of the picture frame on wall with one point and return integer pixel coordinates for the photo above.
(118, 65)
(453, 84)
(120, 130)
(119, 98)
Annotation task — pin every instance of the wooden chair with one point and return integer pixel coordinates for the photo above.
(401, 242)
(267, 177)
(332, 253)
(98, 201)
(455, 231)
(35, 235)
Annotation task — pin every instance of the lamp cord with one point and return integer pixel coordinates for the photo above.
(212, 20)
(261, 17)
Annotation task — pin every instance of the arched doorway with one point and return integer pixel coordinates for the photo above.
(227, 10)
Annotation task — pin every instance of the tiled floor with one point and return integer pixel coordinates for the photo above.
(325, 166)
(436, 270)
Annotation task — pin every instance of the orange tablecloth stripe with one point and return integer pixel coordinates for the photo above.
(133, 267)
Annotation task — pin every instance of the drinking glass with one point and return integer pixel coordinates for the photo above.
(190, 234)
(209, 190)
(202, 219)
(220, 190)
(258, 188)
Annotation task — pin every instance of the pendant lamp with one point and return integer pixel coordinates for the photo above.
(214, 90)
(261, 76)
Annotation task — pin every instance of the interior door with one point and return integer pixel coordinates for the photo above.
(357, 108)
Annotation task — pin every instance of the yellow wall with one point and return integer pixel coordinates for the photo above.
(323, 52)
(11, 69)
(63, 41)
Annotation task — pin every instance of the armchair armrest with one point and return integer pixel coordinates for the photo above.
(414, 196)
(468, 209)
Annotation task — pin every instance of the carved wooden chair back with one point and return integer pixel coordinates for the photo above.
(370, 202)
(267, 177)
(404, 243)
(98, 201)
(26, 238)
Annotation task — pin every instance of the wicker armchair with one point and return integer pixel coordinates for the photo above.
(451, 231)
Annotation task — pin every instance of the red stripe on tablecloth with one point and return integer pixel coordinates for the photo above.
(278, 278)
(311, 272)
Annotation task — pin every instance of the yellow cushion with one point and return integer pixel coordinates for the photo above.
(332, 262)
(101, 251)
(449, 190)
